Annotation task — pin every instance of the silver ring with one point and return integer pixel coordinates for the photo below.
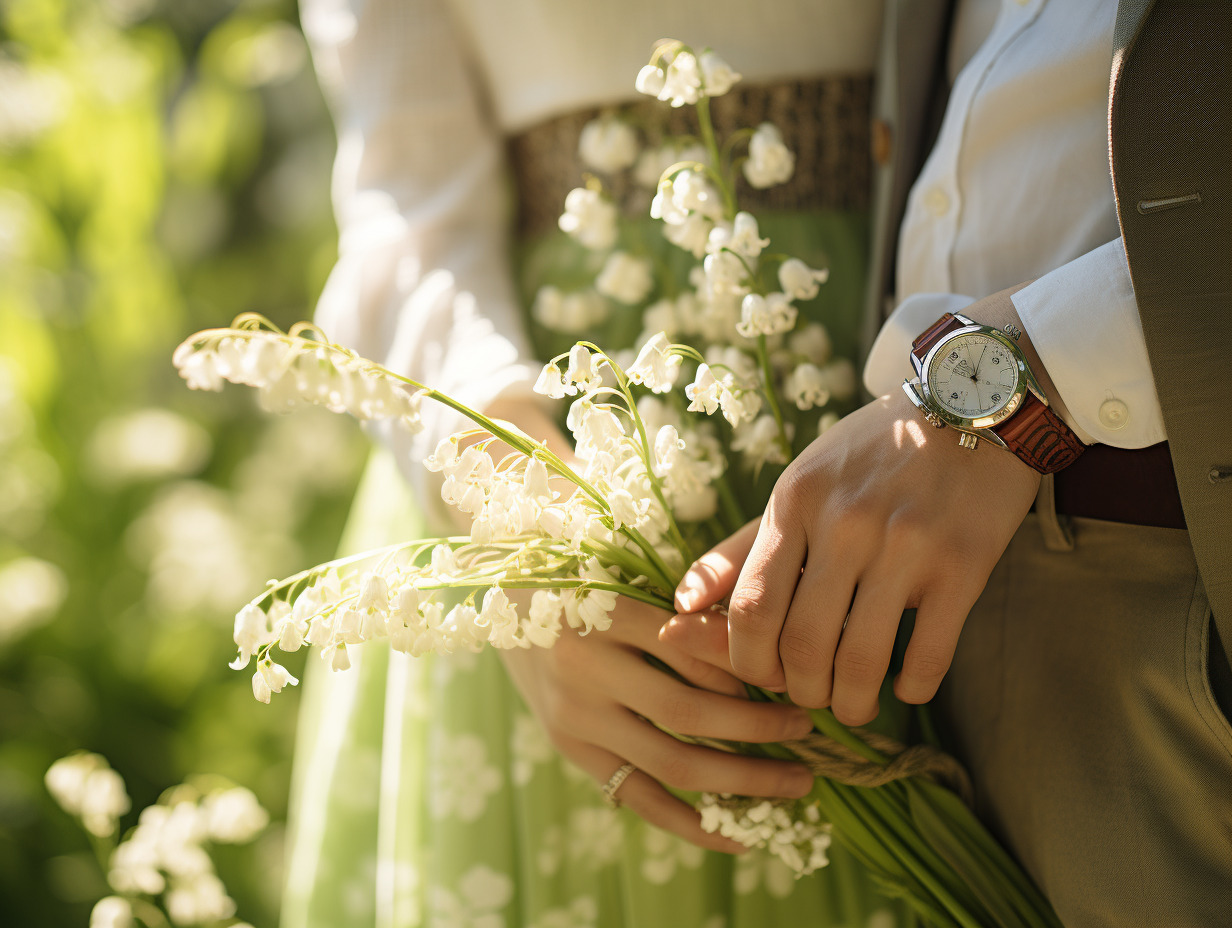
(612, 785)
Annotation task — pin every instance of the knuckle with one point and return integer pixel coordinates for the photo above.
(799, 649)
(749, 610)
(859, 666)
(927, 663)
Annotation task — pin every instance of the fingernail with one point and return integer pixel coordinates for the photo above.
(689, 593)
(799, 723)
(800, 783)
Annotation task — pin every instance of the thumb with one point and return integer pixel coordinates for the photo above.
(713, 575)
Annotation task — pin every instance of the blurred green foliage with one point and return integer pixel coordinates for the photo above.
(163, 167)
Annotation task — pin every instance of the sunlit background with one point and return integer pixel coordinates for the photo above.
(163, 167)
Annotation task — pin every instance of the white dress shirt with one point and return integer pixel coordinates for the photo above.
(1018, 188)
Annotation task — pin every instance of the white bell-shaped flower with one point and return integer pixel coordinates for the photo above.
(608, 144)
(770, 162)
(799, 281)
(656, 367)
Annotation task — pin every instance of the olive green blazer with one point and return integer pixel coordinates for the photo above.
(1169, 141)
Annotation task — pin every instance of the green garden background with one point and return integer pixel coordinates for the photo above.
(164, 166)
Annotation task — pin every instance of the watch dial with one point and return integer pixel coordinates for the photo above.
(973, 375)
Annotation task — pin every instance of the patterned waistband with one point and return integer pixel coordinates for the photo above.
(825, 121)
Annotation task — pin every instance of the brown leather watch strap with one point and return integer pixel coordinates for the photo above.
(1040, 437)
(930, 336)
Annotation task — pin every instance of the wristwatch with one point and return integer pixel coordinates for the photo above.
(975, 378)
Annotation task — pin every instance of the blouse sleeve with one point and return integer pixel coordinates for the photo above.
(423, 283)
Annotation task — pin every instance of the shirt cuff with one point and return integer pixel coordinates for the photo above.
(889, 360)
(1083, 321)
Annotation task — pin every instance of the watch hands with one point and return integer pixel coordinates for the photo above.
(979, 362)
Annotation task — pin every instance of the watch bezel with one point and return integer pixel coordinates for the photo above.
(1024, 382)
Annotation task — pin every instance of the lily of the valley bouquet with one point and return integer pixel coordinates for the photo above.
(645, 491)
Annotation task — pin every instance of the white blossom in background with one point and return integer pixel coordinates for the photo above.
(233, 816)
(573, 313)
(806, 386)
(31, 592)
(758, 441)
(608, 144)
(111, 912)
(799, 281)
(147, 444)
(200, 899)
(166, 851)
(792, 832)
(770, 162)
(590, 218)
(839, 377)
(826, 422)
(772, 314)
(811, 342)
(725, 274)
(690, 234)
(625, 278)
(655, 160)
(717, 75)
(85, 786)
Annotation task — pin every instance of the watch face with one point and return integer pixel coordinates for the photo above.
(973, 375)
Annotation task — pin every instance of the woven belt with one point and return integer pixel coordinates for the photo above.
(825, 121)
(1120, 485)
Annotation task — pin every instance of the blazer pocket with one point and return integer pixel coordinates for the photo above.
(1208, 669)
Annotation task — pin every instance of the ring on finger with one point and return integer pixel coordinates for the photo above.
(612, 785)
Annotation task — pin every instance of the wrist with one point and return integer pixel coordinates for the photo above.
(975, 375)
(998, 311)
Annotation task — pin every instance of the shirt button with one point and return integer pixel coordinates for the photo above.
(1113, 415)
(937, 201)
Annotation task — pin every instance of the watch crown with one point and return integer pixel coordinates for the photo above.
(934, 420)
(967, 440)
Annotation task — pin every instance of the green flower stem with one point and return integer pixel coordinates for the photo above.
(712, 148)
(729, 505)
(767, 373)
(548, 583)
(632, 564)
(895, 838)
(656, 484)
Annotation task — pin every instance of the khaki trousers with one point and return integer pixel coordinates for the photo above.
(1080, 701)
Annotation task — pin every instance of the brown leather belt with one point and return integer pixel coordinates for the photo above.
(824, 120)
(1135, 486)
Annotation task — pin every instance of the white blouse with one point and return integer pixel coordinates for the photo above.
(422, 92)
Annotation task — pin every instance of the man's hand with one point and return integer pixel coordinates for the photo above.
(598, 697)
(880, 514)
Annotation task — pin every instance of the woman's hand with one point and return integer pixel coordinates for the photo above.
(598, 697)
(600, 700)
